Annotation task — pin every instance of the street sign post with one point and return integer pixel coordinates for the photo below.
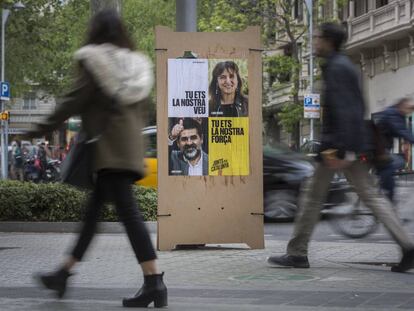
(4, 96)
(311, 106)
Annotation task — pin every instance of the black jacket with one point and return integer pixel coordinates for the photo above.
(343, 126)
(179, 166)
(393, 124)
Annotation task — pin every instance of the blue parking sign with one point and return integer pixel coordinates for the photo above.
(308, 101)
(311, 103)
(5, 91)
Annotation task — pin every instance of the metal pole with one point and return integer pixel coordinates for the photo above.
(310, 8)
(186, 15)
(4, 145)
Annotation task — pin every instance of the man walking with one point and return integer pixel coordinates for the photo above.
(343, 138)
(392, 124)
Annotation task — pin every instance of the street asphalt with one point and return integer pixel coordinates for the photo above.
(344, 274)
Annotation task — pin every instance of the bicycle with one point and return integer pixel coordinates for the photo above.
(354, 220)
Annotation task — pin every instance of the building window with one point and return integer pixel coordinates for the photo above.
(298, 10)
(380, 3)
(327, 10)
(29, 101)
(361, 7)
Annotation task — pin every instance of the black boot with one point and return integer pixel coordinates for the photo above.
(406, 263)
(289, 261)
(55, 281)
(153, 290)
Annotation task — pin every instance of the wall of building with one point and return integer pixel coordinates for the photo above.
(385, 86)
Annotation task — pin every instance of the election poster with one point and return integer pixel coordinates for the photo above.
(208, 130)
(229, 146)
(187, 88)
(188, 147)
(228, 88)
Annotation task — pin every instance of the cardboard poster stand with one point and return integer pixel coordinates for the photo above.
(210, 209)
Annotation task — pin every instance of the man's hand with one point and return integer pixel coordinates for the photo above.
(337, 164)
(176, 130)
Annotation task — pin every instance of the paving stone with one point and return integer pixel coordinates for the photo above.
(216, 277)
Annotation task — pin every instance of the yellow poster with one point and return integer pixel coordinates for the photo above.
(228, 146)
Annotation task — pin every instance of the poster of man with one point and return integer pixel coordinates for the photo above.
(228, 88)
(188, 152)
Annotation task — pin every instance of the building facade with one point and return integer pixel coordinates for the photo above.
(381, 43)
(33, 107)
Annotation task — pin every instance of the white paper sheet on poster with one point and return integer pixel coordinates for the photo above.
(187, 88)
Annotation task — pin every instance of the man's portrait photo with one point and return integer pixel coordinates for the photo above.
(187, 148)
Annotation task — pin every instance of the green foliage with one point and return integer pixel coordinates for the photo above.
(223, 15)
(141, 17)
(42, 38)
(280, 67)
(6, 3)
(290, 115)
(23, 201)
(40, 42)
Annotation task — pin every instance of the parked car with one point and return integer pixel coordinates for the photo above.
(150, 157)
(284, 172)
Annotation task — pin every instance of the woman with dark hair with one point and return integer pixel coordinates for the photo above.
(226, 96)
(110, 95)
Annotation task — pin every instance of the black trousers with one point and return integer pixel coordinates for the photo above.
(116, 186)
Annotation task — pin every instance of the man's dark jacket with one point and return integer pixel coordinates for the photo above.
(343, 126)
(179, 166)
(393, 124)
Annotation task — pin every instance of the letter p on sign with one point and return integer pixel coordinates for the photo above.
(5, 91)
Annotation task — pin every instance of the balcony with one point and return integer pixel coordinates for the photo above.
(389, 22)
(281, 94)
(278, 95)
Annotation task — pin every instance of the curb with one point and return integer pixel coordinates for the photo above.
(66, 227)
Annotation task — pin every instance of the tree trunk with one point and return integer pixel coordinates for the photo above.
(98, 5)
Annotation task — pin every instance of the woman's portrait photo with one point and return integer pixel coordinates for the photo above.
(228, 88)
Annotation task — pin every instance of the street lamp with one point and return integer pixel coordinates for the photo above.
(4, 124)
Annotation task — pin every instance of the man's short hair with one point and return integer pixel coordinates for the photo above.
(334, 33)
(404, 100)
(190, 123)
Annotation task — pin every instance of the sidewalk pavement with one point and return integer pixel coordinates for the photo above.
(343, 276)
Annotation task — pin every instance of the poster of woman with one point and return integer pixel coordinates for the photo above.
(227, 89)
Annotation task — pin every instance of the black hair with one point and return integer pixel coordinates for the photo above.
(190, 123)
(333, 32)
(107, 27)
(214, 90)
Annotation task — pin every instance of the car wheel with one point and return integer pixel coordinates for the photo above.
(280, 204)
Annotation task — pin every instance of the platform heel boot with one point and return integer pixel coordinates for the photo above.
(55, 281)
(153, 290)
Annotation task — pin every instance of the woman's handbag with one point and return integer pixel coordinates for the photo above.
(76, 169)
